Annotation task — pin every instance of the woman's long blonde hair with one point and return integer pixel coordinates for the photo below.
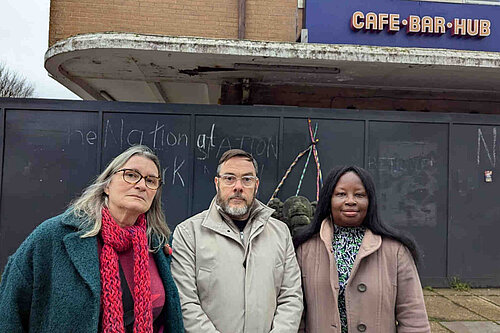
(89, 205)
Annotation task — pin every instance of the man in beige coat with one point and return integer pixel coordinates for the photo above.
(234, 264)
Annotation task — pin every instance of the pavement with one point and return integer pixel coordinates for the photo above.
(470, 311)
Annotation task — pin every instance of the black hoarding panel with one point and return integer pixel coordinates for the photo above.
(170, 137)
(437, 184)
(409, 162)
(474, 253)
(50, 157)
(216, 134)
(341, 142)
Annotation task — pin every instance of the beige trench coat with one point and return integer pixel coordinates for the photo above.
(383, 287)
(233, 283)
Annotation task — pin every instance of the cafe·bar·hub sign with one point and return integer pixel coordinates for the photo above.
(416, 24)
(404, 23)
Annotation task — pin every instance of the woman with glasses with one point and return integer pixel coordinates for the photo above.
(358, 273)
(101, 266)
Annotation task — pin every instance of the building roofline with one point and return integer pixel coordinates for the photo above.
(276, 50)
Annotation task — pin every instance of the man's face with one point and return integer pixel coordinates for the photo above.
(236, 199)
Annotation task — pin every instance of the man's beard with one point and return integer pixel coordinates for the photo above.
(233, 211)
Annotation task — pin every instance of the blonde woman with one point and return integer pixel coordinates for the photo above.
(101, 266)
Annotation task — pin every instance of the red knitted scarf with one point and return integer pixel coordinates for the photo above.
(118, 239)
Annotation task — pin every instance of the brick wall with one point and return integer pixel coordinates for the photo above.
(275, 20)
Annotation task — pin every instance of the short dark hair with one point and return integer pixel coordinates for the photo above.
(372, 220)
(237, 153)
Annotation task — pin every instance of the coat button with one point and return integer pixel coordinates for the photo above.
(362, 287)
(361, 327)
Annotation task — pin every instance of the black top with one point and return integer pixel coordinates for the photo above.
(240, 224)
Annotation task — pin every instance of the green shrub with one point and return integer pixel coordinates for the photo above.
(458, 285)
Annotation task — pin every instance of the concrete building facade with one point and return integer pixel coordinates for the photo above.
(284, 52)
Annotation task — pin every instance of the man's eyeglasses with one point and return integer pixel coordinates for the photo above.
(134, 177)
(230, 180)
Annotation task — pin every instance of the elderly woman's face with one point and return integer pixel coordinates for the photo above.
(127, 201)
(349, 201)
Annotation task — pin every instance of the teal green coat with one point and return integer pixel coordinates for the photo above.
(52, 282)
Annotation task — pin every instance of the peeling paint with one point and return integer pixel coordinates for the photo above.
(284, 50)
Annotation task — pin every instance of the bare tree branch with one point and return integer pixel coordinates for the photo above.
(14, 85)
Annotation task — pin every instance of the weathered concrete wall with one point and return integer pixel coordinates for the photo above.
(277, 20)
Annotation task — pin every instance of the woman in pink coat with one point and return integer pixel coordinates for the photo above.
(358, 273)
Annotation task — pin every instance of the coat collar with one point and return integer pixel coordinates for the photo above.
(218, 221)
(371, 242)
(82, 252)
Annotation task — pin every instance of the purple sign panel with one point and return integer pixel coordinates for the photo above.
(404, 23)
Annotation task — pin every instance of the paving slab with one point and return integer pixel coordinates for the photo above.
(450, 292)
(486, 291)
(442, 309)
(438, 328)
(478, 305)
(472, 326)
(428, 292)
(493, 299)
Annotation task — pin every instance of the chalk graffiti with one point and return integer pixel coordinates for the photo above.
(207, 145)
(171, 174)
(82, 137)
(492, 154)
(408, 184)
(159, 136)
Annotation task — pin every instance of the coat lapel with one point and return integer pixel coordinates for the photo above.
(173, 319)
(371, 243)
(83, 254)
(326, 236)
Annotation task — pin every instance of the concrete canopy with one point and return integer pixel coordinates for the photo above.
(153, 68)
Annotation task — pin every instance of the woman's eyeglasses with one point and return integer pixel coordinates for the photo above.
(134, 177)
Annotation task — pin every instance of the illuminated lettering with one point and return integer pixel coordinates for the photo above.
(472, 27)
(371, 21)
(484, 31)
(393, 22)
(459, 27)
(439, 25)
(357, 21)
(413, 24)
(436, 25)
(383, 20)
(427, 24)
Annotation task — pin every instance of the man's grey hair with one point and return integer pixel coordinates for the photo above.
(237, 153)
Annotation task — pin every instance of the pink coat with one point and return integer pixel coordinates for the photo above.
(383, 293)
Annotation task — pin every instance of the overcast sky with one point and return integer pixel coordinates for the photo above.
(24, 38)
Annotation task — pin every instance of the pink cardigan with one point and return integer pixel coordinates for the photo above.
(383, 293)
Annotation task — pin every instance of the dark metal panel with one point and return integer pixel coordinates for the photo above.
(409, 164)
(192, 126)
(100, 141)
(50, 157)
(340, 143)
(474, 254)
(216, 134)
(169, 136)
(413, 195)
